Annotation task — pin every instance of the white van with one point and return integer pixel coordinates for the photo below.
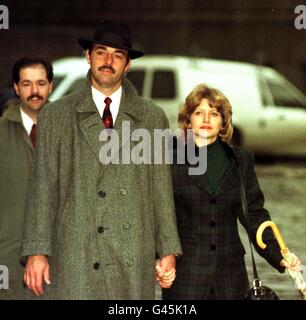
(269, 113)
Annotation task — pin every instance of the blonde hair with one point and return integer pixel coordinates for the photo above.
(216, 100)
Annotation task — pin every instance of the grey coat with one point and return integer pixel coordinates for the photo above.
(101, 226)
(16, 156)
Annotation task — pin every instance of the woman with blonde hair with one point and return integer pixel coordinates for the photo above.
(208, 205)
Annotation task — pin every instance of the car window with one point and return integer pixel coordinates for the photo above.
(163, 85)
(137, 78)
(282, 96)
(264, 91)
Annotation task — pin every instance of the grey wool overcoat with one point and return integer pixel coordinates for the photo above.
(101, 225)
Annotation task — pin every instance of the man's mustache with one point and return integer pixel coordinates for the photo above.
(35, 96)
(107, 68)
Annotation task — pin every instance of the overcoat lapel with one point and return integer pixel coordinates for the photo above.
(91, 125)
(27, 140)
(13, 114)
(201, 181)
(90, 122)
(127, 120)
(228, 180)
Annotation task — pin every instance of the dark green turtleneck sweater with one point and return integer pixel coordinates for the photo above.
(217, 163)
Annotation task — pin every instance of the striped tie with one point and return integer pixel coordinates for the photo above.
(107, 115)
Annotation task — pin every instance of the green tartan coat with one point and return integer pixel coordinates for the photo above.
(16, 156)
(207, 225)
(101, 226)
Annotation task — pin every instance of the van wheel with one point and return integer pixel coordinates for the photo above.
(236, 138)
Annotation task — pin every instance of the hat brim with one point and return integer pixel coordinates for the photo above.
(133, 54)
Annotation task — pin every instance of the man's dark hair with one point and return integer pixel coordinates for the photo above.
(31, 61)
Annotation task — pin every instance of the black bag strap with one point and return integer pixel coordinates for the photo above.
(246, 215)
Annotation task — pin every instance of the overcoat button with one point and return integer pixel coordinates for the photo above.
(130, 262)
(100, 229)
(212, 224)
(126, 226)
(213, 201)
(123, 191)
(102, 194)
(96, 265)
(213, 247)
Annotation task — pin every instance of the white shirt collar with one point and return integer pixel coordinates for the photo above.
(27, 121)
(99, 97)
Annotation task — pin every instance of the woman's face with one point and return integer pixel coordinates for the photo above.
(206, 122)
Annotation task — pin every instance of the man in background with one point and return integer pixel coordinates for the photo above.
(32, 78)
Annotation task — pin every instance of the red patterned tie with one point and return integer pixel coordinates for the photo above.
(107, 115)
(33, 135)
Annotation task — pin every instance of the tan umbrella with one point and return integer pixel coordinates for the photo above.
(297, 276)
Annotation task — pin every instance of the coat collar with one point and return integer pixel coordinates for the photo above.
(91, 125)
(12, 112)
(229, 178)
(129, 103)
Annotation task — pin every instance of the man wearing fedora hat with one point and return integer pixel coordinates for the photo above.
(92, 230)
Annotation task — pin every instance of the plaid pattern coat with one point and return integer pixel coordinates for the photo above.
(207, 224)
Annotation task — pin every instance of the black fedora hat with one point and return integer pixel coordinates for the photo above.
(112, 34)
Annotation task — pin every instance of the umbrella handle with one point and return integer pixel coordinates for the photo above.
(276, 233)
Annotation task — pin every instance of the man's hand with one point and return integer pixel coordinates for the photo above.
(165, 271)
(36, 270)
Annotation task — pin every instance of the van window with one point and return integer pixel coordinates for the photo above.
(137, 78)
(282, 96)
(163, 85)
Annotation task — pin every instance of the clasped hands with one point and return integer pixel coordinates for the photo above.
(165, 271)
(37, 272)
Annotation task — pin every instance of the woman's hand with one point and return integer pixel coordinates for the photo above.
(292, 262)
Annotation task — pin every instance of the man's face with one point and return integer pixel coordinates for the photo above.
(108, 66)
(33, 88)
